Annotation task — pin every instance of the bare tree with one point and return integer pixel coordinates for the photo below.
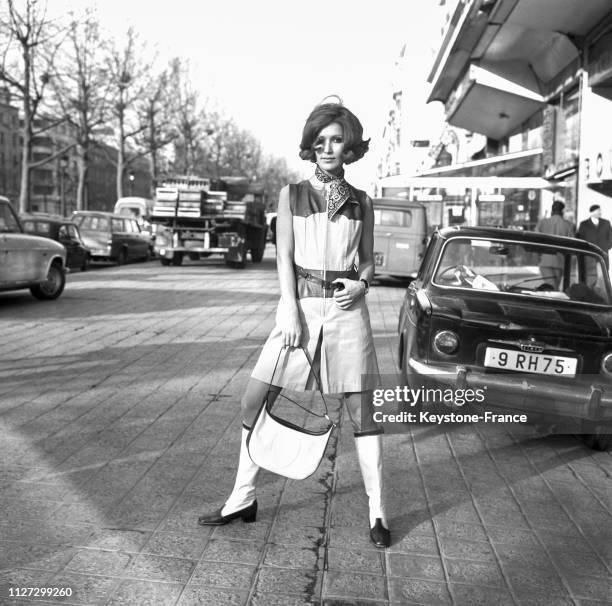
(274, 174)
(191, 122)
(29, 41)
(126, 71)
(82, 91)
(157, 114)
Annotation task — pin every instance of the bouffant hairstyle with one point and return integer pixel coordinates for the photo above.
(325, 114)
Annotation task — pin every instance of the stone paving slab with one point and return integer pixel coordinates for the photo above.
(120, 423)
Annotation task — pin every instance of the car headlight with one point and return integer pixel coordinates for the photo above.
(446, 342)
(606, 364)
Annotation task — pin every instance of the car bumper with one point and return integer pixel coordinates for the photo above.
(575, 399)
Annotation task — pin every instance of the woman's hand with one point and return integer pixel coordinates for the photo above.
(353, 290)
(291, 327)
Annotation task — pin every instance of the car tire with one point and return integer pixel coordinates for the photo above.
(86, 263)
(177, 259)
(165, 262)
(53, 287)
(122, 258)
(257, 255)
(597, 437)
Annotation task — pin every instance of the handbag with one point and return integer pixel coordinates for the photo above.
(282, 447)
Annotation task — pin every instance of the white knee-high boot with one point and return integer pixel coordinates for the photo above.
(243, 493)
(369, 454)
(241, 503)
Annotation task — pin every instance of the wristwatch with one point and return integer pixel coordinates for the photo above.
(367, 286)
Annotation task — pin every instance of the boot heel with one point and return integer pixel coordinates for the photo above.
(249, 514)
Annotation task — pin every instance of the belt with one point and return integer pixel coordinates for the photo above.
(311, 276)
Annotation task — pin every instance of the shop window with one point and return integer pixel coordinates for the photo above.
(567, 130)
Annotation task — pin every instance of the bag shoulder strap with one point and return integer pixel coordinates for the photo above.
(317, 379)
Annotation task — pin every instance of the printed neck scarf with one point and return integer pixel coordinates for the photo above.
(339, 190)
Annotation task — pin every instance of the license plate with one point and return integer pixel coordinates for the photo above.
(542, 364)
(379, 258)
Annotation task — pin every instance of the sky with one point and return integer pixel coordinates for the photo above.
(267, 63)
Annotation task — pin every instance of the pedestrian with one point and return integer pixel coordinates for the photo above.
(323, 226)
(597, 231)
(551, 265)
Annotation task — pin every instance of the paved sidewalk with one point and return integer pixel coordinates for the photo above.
(120, 424)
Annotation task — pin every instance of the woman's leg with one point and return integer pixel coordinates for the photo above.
(368, 443)
(242, 503)
(253, 398)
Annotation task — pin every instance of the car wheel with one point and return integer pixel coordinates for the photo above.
(165, 262)
(177, 259)
(86, 262)
(53, 286)
(597, 437)
(122, 258)
(257, 255)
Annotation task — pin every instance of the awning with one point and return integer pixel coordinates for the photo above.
(518, 164)
(489, 104)
(526, 42)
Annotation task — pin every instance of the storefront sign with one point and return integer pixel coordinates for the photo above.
(429, 197)
(491, 198)
(598, 166)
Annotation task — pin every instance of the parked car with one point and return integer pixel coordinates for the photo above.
(63, 231)
(111, 237)
(523, 315)
(28, 261)
(400, 236)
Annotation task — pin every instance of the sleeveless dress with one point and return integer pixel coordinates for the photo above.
(328, 248)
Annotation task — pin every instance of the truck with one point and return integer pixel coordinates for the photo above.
(195, 217)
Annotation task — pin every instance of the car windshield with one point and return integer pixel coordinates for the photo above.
(92, 223)
(534, 270)
(8, 223)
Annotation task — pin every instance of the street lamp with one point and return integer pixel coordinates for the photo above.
(63, 166)
(131, 177)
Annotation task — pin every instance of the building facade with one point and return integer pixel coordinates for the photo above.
(535, 78)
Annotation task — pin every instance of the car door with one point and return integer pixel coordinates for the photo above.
(21, 260)
(141, 247)
(66, 235)
(120, 237)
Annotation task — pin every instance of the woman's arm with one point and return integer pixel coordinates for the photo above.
(354, 289)
(366, 244)
(289, 320)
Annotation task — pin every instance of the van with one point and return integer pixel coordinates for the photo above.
(135, 208)
(400, 236)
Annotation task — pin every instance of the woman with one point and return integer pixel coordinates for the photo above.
(323, 226)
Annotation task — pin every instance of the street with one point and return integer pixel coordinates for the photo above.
(120, 424)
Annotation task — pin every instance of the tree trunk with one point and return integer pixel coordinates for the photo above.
(24, 190)
(80, 193)
(120, 155)
(153, 149)
(24, 198)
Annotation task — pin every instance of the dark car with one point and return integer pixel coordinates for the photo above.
(63, 231)
(111, 237)
(522, 316)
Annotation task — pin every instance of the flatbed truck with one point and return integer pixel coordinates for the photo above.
(194, 221)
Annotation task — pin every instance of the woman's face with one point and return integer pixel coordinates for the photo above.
(329, 148)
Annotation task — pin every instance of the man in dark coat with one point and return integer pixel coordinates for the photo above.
(551, 265)
(597, 231)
